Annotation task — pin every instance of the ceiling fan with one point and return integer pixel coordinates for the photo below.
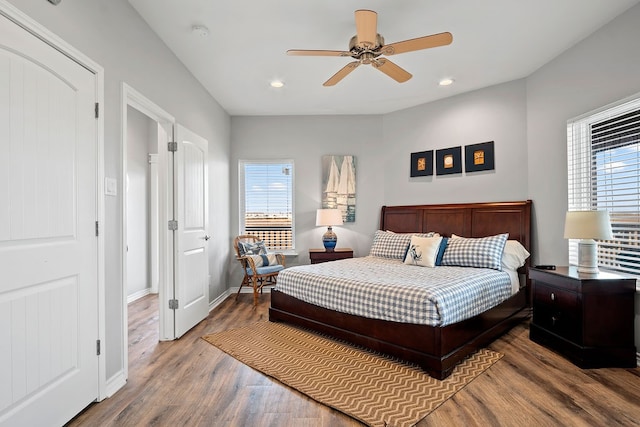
(367, 46)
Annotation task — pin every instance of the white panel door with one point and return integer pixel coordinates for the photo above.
(191, 287)
(48, 247)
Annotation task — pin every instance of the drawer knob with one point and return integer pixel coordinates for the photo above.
(553, 296)
(554, 319)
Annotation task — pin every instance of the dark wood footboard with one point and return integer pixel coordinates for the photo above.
(435, 349)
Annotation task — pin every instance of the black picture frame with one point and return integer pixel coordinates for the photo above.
(479, 157)
(449, 161)
(422, 163)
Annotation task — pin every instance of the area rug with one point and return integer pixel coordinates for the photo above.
(372, 388)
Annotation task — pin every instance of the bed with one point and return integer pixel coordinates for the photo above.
(436, 349)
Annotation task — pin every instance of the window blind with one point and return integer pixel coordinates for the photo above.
(266, 202)
(604, 173)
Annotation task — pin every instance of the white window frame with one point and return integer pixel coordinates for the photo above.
(242, 198)
(587, 192)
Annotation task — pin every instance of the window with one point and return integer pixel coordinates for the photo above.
(266, 202)
(604, 173)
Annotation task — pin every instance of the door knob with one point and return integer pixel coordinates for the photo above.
(206, 237)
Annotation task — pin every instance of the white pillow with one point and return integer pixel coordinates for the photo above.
(423, 251)
(514, 255)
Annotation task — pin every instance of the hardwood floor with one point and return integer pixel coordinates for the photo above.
(189, 382)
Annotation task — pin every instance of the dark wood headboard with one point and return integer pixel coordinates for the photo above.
(464, 219)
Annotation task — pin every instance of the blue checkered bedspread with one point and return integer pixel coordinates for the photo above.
(387, 289)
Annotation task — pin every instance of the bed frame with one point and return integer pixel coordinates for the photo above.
(436, 349)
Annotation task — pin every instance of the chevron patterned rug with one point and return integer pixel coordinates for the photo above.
(372, 388)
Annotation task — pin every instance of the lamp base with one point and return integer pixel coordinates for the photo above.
(329, 240)
(588, 256)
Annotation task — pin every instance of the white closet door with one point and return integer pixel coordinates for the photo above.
(48, 247)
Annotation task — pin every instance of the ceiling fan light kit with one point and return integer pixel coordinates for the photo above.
(367, 46)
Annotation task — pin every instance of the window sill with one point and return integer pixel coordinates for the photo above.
(290, 253)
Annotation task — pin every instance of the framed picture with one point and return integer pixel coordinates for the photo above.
(479, 157)
(422, 163)
(449, 161)
(339, 185)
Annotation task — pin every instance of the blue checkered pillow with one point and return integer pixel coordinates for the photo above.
(484, 252)
(387, 244)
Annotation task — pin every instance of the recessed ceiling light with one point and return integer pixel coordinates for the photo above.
(445, 82)
(277, 83)
(200, 30)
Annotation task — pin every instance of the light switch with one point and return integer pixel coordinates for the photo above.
(110, 186)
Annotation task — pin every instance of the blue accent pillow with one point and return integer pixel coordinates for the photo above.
(440, 254)
(483, 252)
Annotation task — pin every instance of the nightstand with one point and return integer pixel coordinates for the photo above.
(320, 255)
(586, 317)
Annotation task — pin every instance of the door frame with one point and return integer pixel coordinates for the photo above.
(133, 98)
(32, 26)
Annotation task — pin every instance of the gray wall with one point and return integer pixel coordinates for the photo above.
(496, 114)
(306, 139)
(601, 69)
(112, 34)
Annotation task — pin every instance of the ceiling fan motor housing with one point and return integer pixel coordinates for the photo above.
(357, 48)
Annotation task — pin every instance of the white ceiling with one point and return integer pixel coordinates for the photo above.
(494, 41)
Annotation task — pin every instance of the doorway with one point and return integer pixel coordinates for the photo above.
(164, 217)
(146, 130)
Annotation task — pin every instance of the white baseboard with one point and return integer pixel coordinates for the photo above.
(216, 302)
(137, 295)
(248, 290)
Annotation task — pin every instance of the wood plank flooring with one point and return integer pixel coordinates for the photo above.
(189, 382)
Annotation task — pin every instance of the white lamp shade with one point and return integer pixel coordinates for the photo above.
(588, 225)
(328, 217)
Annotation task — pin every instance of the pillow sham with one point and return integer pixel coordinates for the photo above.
(483, 252)
(247, 248)
(387, 244)
(423, 251)
(514, 255)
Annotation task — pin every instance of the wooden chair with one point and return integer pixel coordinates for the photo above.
(256, 277)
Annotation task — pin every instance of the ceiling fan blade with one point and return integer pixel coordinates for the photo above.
(301, 52)
(344, 71)
(426, 42)
(392, 70)
(366, 27)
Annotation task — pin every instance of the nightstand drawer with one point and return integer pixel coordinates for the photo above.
(564, 323)
(555, 297)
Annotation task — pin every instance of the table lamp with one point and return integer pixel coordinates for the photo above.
(329, 218)
(588, 226)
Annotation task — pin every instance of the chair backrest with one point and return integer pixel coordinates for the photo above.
(243, 238)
